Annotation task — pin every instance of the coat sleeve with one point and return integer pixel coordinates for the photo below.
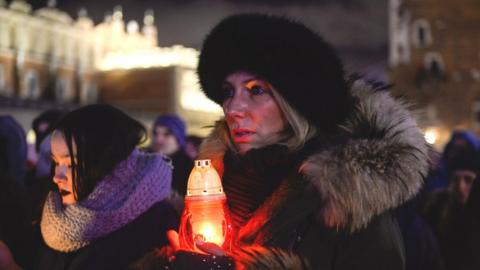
(259, 257)
(378, 246)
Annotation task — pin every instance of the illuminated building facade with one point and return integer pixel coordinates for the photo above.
(434, 61)
(45, 54)
(47, 57)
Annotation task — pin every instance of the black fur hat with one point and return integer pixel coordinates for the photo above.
(297, 62)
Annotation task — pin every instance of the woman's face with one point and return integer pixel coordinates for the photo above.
(252, 114)
(63, 167)
(461, 184)
(164, 141)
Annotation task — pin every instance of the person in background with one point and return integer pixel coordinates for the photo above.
(16, 149)
(108, 207)
(445, 210)
(192, 145)
(422, 251)
(15, 231)
(469, 249)
(169, 138)
(44, 123)
(461, 142)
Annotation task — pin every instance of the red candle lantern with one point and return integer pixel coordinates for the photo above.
(205, 216)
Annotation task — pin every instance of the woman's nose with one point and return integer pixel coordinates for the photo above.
(236, 106)
(60, 174)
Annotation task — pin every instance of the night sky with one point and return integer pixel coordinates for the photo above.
(356, 28)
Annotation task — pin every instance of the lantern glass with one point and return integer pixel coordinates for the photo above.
(205, 216)
(205, 219)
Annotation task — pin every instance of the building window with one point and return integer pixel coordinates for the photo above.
(401, 52)
(91, 93)
(62, 90)
(3, 79)
(421, 33)
(432, 71)
(476, 114)
(31, 84)
(88, 92)
(475, 74)
(421, 36)
(433, 63)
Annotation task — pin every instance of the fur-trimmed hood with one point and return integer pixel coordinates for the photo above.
(379, 163)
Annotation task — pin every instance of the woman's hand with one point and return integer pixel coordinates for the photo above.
(6, 259)
(172, 237)
(207, 247)
(186, 259)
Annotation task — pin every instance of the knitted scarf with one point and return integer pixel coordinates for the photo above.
(135, 185)
(250, 179)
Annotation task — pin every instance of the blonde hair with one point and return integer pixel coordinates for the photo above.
(299, 129)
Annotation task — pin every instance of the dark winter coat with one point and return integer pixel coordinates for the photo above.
(119, 249)
(182, 166)
(471, 247)
(15, 229)
(15, 151)
(14, 213)
(421, 246)
(333, 210)
(447, 218)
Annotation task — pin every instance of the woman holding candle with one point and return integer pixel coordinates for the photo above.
(311, 162)
(108, 208)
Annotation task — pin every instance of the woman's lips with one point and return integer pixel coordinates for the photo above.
(241, 135)
(64, 192)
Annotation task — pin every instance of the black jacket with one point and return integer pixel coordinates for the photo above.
(15, 229)
(333, 210)
(119, 249)
(182, 166)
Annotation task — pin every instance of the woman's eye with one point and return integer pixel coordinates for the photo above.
(257, 90)
(228, 93)
(469, 179)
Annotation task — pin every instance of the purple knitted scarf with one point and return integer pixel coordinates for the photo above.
(132, 188)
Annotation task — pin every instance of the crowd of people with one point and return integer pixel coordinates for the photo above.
(88, 163)
(321, 171)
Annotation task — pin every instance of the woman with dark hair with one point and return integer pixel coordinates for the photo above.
(312, 163)
(109, 206)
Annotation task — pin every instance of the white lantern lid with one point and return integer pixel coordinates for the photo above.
(204, 180)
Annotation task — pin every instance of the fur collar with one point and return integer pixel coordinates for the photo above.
(379, 163)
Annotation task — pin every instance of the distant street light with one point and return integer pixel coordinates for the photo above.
(430, 136)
